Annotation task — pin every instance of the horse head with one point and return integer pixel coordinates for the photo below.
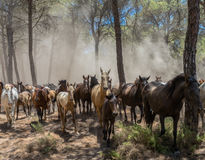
(105, 79)
(158, 79)
(70, 90)
(143, 81)
(86, 82)
(112, 101)
(93, 81)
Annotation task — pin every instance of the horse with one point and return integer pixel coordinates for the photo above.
(20, 87)
(109, 112)
(1, 89)
(99, 92)
(82, 92)
(201, 81)
(52, 99)
(24, 99)
(130, 94)
(62, 86)
(9, 99)
(41, 101)
(93, 81)
(164, 100)
(51, 86)
(65, 102)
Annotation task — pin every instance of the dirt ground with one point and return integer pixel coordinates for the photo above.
(87, 145)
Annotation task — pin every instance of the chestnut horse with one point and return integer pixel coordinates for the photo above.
(99, 92)
(131, 95)
(65, 102)
(166, 100)
(41, 101)
(109, 112)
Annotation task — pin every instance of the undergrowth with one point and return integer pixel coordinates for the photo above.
(129, 139)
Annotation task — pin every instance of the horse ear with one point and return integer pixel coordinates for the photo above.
(88, 76)
(67, 84)
(95, 75)
(101, 70)
(109, 71)
(140, 78)
(83, 77)
(148, 78)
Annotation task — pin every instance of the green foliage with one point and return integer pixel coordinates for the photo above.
(38, 127)
(129, 137)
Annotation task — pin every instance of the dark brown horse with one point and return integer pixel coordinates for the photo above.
(41, 101)
(20, 87)
(62, 86)
(1, 89)
(82, 93)
(109, 112)
(164, 100)
(131, 96)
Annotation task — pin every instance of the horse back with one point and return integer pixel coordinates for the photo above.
(96, 96)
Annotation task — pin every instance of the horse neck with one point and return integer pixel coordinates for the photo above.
(178, 93)
(102, 91)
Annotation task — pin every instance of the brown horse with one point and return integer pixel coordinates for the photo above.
(165, 100)
(24, 99)
(82, 92)
(99, 92)
(41, 101)
(62, 86)
(109, 112)
(131, 95)
(158, 78)
(1, 89)
(52, 100)
(65, 102)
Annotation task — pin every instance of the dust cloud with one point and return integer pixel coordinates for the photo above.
(148, 58)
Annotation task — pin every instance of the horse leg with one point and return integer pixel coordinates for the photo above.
(38, 110)
(113, 127)
(202, 118)
(79, 105)
(44, 113)
(24, 109)
(83, 103)
(53, 105)
(62, 118)
(105, 130)
(124, 108)
(109, 132)
(74, 119)
(90, 103)
(176, 119)
(142, 113)
(17, 112)
(99, 116)
(87, 103)
(8, 116)
(162, 126)
(131, 111)
(134, 113)
(120, 108)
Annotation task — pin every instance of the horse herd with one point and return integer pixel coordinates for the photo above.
(156, 97)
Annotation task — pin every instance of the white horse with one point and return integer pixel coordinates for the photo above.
(9, 99)
(65, 102)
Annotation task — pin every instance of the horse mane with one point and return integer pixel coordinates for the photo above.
(93, 82)
(171, 84)
(2, 85)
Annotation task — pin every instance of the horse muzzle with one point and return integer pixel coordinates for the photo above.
(114, 114)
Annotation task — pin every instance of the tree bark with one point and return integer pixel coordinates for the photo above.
(3, 67)
(4, 56)
(97, 55)
(16, 67)
(117, 28)
(30, 33)
(9, 31)
(192, 92)
(51, 60)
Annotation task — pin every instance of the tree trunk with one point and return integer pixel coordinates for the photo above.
(191, 93)
(16, 67)
(9, 31)
(51, 59)
(4, 56)
(30, 32)
(3, 67)
(97, 55)
(117, 28)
